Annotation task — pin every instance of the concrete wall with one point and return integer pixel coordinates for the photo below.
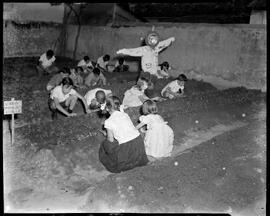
(258, 17)
(33, 12)
(225, 55)
(28, 41)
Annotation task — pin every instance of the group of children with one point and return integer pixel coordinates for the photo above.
(124, 148)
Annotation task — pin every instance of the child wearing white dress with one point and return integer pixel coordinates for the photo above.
(159, 136)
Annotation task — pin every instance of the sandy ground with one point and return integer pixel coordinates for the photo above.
(218, 162)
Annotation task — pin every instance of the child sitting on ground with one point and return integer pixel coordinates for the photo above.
(135, 96)
(65, 97)
(86, 64)
(159, 136)
(102, 62)
(57, 79)
(76, 77)
(95, 79)
(95, 98)
(123, 149)
(163, 70)
(175, 88)
(121, 66)
(46, 63)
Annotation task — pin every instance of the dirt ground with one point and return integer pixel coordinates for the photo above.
(218, 162)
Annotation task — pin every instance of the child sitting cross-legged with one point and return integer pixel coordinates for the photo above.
(175, 88)
(135, 96)
(65, 97)
(159, 136)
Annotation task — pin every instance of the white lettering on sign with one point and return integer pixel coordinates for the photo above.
(12, 107)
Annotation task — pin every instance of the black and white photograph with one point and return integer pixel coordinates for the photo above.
(134, 107)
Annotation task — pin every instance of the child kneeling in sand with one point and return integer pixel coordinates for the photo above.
(95, 98)
(159, 136)
(135, 96)
(175, 88)
(65, 97)
(123, 149)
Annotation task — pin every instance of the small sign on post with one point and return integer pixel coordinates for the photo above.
(10, 108)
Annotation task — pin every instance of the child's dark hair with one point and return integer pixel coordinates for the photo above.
(182, 77)
(149, 107)
(86, 58)
(65, 70)
(164, 65)
(140, 82)
(50, 53)
(106, 57)
(67, 81)
(79, 70)
(96, 71)
(113, 102)
(121, 60)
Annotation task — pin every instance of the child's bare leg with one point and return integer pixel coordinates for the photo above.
(40, 70)
(71, 102)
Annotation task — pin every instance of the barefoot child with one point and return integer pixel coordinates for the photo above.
(175, 88)
(123, 148)
(46, 63)
(65, 97)
(135, 96)
(159, 136)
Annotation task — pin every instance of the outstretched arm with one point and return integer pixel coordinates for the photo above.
(163, 44)
(131, 52)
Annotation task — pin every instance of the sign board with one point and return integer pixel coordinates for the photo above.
(12, 107)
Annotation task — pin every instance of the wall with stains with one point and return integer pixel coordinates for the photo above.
(29, 39)
(225, 55)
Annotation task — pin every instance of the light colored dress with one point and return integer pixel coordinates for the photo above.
(159, 136)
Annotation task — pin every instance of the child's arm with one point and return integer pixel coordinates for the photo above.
(163, 44)
(61, 109)
(110, 135)
(102, 77)
(87, 110)
(131, 52)
(143, 98)
(140, 125)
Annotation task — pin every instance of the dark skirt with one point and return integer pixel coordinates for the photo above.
(117, 158)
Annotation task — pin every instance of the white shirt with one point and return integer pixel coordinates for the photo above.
(101, 62)
(45, 62)
(91, 94)
(117, 63)
(58, 93)
(174, 87)
(121, 126)
(83, 63)
(149, 61)
(131, 97)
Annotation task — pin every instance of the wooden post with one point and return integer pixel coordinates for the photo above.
(12, 125)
